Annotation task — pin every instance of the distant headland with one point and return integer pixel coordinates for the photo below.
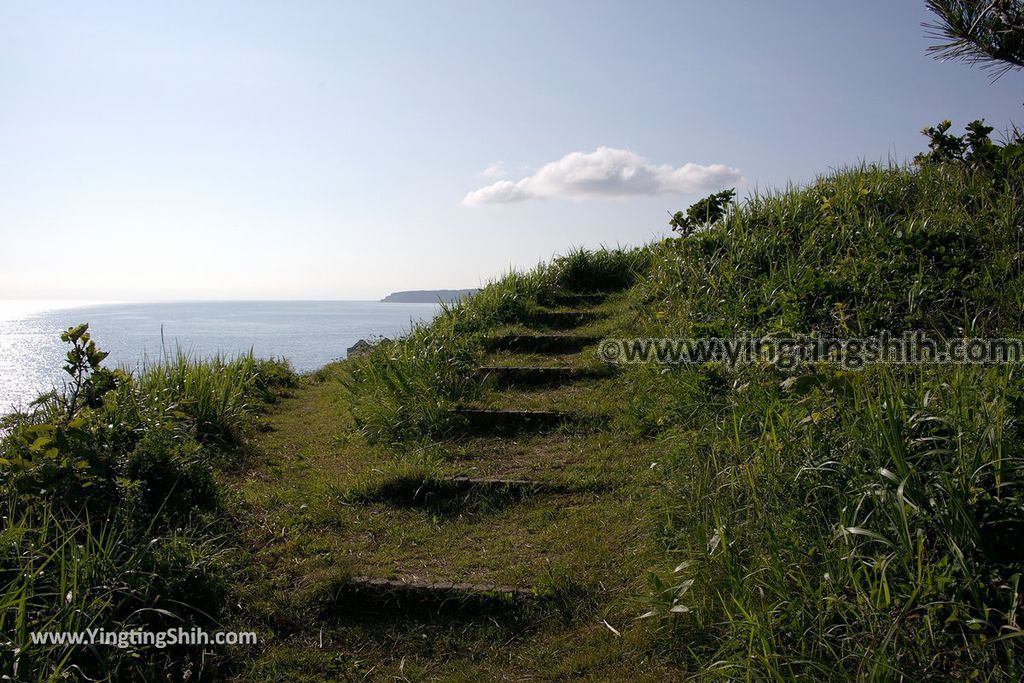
(429, 296)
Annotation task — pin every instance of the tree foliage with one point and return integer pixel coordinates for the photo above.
(975, 149)
(89, 381)
(988, 33)
(707, 211)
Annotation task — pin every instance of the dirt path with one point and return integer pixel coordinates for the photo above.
(508, 552)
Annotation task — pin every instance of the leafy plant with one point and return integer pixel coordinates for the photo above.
(107, 490)
(89, 381)
(707, 211)
(975, 149)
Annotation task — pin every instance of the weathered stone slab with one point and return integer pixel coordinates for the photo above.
(451, 493)
(575, 298)
(365, 596)
(487, 420)
(542, 343)
(537, 376)
(563, 320)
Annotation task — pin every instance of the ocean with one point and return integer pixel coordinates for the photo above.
(310, 334)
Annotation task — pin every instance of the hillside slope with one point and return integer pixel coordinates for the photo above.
(486, 498)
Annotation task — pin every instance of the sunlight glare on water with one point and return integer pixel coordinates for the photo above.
(307, 333)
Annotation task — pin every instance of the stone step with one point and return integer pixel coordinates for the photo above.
(537, 376)
(497, 421)
(574, 298)
(541, 343)
(496, 482)
(563, 320)
(362, 596)
(453, 493)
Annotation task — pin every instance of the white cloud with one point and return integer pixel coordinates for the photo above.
(606, 173)
(496, 170)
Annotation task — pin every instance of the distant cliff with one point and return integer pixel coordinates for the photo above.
(429, 296)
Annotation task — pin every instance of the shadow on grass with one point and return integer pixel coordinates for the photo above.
(377, 602)
(453, 496)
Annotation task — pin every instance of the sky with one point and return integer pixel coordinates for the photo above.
(341, 150)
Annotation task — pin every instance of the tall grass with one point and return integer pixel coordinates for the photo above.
(857, 251)
(403, 390)
(848, 525)
(866, 528)
(842, 525)
(602, 270)
(219, 395)
(62, 574)
(107, 514)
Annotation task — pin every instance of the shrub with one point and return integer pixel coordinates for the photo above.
(707, 211)
(168, 474)
(106, 486)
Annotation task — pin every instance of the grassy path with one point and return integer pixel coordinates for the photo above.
(572, 529)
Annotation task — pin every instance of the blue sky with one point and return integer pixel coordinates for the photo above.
(223, 150)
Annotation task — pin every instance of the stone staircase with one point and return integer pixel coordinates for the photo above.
(552, 333)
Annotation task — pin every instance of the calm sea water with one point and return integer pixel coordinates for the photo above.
(307, 333)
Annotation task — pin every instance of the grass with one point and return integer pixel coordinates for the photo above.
(855, 527)
(748, 523)
(112, 513)
(406, 388)
(893, 559)
(326, 512)
(722, 523)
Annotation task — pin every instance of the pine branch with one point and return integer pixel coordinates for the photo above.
(984, 33)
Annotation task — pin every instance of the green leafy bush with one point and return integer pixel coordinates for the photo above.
(108, 486)
(975, 149)
(168, 474)
(707, 211)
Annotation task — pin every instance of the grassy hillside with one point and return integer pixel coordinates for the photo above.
(848, 524)
(398, 516)
(766, 523)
